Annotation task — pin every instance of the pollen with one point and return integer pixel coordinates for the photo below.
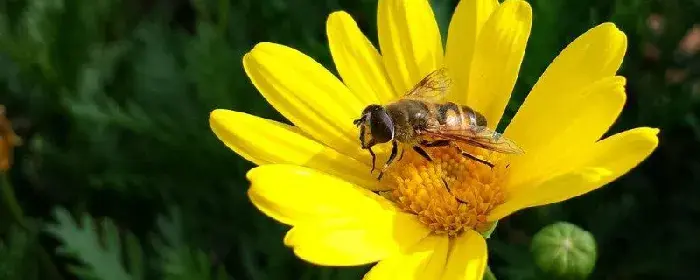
(451, 193)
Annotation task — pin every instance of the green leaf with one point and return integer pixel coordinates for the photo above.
(178, 261)
(100, 254)
(134, 256)
(488, 274)
(487, 234)
(16, 254)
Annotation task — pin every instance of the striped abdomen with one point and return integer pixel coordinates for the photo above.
(455, 116)
(411, 116)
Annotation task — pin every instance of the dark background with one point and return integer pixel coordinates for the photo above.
(120, 177)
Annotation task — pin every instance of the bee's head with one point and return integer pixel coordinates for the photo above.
(381, 127)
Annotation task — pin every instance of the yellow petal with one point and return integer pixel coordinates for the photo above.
(263, 141)
(564, 128)
(410, 41)
(357, 239)
(499, 52)
(306, 94)
(357, 61)
(468, 257)
(467, 21)
(335, 222)
(602, 163)
(425, 261)
(591, 57)
(293, 194)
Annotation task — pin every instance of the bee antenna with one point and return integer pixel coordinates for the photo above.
(359, 121)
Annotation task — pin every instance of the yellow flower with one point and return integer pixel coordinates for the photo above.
(315, 177)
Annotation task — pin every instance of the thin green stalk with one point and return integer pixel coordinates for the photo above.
(10, 201)
(8, 197)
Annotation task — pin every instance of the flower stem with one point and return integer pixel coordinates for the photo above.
(8, 195)
(10, 202)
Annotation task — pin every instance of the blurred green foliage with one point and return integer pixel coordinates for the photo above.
(120, 177)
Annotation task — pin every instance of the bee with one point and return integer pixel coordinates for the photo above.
(421, 119)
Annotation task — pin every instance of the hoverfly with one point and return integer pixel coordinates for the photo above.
(421, 119)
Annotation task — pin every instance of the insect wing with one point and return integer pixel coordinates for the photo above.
(491, 140)
(481, 137)
(432, 88)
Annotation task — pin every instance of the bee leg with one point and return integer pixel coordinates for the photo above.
(401, 154)
(436, 143)
(374, 158)
(394, 150)
(468, 155)
(450, 191)
(422, 152)
(443, 143)
(362, 135)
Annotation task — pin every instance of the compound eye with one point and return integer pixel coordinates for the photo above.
(382, 127)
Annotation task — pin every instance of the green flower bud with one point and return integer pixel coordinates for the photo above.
(564, 250)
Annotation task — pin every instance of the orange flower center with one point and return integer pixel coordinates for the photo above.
(451, 193)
